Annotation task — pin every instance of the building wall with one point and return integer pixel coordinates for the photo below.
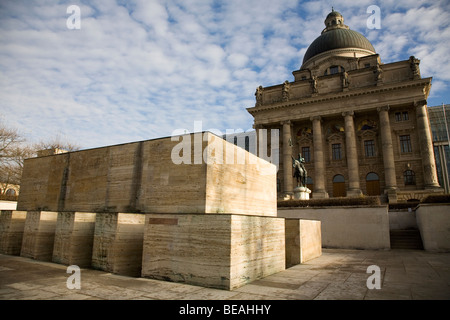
(440, 124)
(398, 89)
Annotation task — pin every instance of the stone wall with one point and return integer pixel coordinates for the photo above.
(143, 177)
(433, 221)
(303, 241)
(74, 237)
(39, 235)
(347, 227)
(118, 243)
(12, 224)
(221, 251)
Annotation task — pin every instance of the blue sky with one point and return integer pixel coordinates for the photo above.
(139, 70)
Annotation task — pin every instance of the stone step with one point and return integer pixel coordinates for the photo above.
(406, 239)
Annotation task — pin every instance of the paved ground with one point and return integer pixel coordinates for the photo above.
(337, 274)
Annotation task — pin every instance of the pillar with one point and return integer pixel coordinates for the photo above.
(287, 158)
(351, 155)
(387, 149)
(426, 146)
(319, 165)
(257, 128)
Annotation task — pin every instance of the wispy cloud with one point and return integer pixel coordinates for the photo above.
(141, 69)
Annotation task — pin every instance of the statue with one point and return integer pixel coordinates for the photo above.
(345, 81)
(300, 172)
(414, 64)
(286, 87)
(314, 84)
(378, 73)
(259, 96)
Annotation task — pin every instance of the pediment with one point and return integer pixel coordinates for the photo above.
(336, 137)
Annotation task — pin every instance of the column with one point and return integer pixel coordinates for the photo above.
(257, 128)
(351, 155)
(319, 165)
(287, 158)
(387, 149)
(426, 146)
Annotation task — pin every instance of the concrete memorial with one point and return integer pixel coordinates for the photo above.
(191, 208)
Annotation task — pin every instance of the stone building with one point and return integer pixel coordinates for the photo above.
(361, 125)
(440, 124)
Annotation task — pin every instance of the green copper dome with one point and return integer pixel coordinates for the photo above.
(337, 36)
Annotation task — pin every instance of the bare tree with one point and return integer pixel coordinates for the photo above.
(14, 150)
(57, 143)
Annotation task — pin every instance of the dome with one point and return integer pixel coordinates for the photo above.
(333, 14)
(336, 35)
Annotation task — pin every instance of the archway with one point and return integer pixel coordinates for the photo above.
(339, 186)
(309, 183)
(373, 184)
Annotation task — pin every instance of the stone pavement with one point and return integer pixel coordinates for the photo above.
(336, 275)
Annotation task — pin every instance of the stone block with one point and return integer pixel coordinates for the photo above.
(39, 235)
(433, 220)
(303, 241)
(118, 241)
(196, 173)
(74, 238)
(220, 251)
(12, 224)
(347, 227)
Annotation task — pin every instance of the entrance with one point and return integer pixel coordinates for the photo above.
(339, 186)
(373, 184)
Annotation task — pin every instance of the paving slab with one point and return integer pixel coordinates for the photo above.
(336, 275)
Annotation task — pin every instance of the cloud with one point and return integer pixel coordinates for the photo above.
(140, 69)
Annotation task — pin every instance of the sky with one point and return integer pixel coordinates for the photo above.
(142, 69)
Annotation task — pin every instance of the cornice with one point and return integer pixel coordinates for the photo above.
(318, 98)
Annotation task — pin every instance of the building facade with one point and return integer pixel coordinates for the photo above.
(361, 125)
(440, 124)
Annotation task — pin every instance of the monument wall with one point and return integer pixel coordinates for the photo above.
(143, 177)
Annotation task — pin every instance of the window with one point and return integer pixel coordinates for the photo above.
(336, 151)
(369, 148)
(309, 183)
(402, 116)
(247, 143)
(333, 70)
(306, 154)
(409, 177)
(235, 140)
(372, 184)
(405, 144)
(367, 65)
(10, 192)
(303, 77)
(372, 176)
(338, 178)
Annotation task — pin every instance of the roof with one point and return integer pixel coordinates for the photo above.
(337, 39)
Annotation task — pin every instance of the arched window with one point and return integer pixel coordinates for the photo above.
(309, 183)
(409, 178)
(339, 186)
(372, 176)
(10, 192)
(373, 184)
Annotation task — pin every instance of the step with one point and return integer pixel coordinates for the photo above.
(406, 239)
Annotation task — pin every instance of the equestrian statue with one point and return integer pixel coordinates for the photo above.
(300, 172)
